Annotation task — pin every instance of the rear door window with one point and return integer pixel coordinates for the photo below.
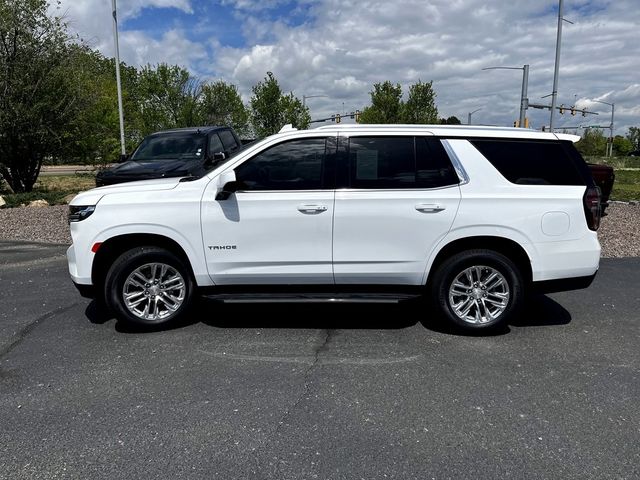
(536, 162)
(399, 162)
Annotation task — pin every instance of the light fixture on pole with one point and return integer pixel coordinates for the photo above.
(304, 98)
(118, 83)
(610, 143)
(471, 113)
(524, 101)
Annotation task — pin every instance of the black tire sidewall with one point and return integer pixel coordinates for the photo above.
(127, 263)
(452, 267)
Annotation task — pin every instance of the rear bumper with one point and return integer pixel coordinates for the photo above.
(563, 284)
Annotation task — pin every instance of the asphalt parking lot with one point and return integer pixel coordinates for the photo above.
(315, 391)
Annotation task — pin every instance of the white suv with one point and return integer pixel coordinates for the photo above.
(474, 217)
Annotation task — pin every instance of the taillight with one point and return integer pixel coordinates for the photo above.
(592, 211)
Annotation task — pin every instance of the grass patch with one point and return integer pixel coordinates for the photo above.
(53, 189)
(626, 186)
(616, 162)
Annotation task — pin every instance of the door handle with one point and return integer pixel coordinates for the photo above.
(429, 207)
(312, 208)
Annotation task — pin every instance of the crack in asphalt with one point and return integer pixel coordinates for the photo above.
(27, 329)
(255, 453)
(307, 385)
(305, 390)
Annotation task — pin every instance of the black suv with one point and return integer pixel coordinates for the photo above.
(174, 153)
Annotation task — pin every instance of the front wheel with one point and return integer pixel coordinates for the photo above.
(149, 286)
(478, 289)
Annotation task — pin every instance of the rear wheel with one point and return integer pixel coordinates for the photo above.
(478, 289)
(149, 286)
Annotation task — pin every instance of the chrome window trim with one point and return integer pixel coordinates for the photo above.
(453, 185)
(457, 165)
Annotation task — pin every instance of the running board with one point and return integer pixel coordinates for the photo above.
(310, 297)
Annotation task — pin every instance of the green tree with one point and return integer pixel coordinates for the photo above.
(421, 104)
(271, 110)
(38, 99)
(294, 112)
(634, 137)
(386, 104)
(593, 142)
(94, 135)
(452, 120)
(220, 104)
(168, 98)
(622, 146)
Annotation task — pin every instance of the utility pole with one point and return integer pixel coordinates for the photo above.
(554, 93)
(119, 87)
(524, 101)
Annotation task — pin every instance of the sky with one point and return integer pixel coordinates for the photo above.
(340, 48)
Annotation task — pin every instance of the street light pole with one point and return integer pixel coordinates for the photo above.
(118, 84)
(524, 101)
(610, 143)
(471, 113)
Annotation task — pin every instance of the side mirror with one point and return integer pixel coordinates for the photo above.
(215, 158)
(123, 158)
(229, 188)
(226, 180)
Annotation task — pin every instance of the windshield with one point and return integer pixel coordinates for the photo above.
(184, 146)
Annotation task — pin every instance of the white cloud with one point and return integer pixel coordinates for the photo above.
(344, 46)
(92, 20)
(172, 48)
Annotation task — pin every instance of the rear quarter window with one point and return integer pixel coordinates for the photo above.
(536, 162)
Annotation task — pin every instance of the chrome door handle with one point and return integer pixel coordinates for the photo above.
(312, 208)
(429, 207)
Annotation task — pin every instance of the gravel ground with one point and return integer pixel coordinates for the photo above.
(619, 232)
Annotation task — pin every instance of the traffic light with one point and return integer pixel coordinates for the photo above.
(573, 111)
(338, 118)
(516, 123)
(357, 116)
(333, 118)
(584, 113)
(526, 123)
(562, 109)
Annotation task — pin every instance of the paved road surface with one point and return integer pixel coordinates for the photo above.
(315, 391)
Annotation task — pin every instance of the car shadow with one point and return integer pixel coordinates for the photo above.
(542, 311)
(539, 311)
(385, 316)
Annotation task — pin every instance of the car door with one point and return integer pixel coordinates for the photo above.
(277, 229)
(400, 199)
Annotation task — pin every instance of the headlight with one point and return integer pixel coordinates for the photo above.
(77, 213)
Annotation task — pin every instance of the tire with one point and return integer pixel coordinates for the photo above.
(149, 286)
(478, 290)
